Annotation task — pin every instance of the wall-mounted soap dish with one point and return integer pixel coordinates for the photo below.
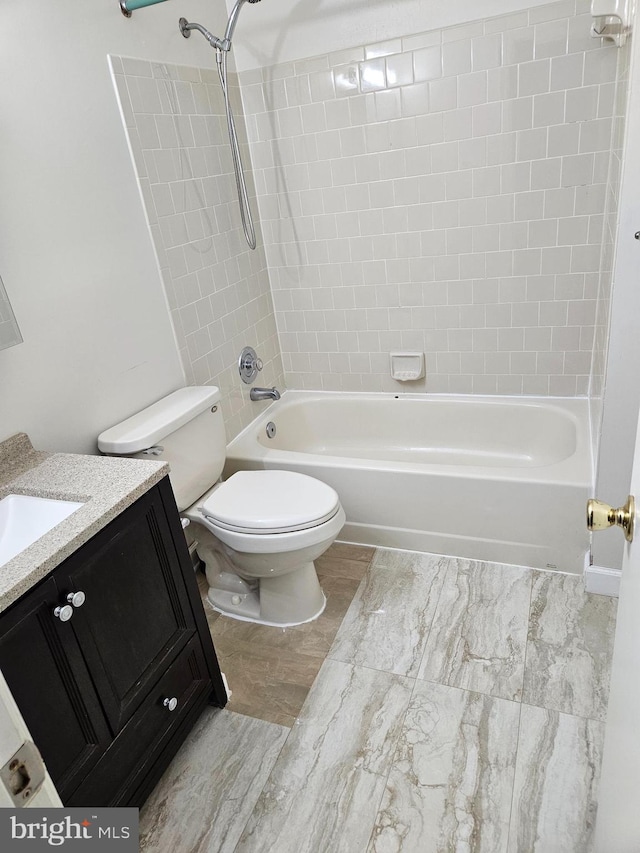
(407, 366)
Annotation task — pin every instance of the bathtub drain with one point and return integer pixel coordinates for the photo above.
(271, 429)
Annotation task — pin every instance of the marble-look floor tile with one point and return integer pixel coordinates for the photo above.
(269, 684)
(324, 790)
(557, 772)
(569, 647)
(206, 795)
(347, 551)
(388, 622)
(340, 567)
(451, 782)
(478, 635)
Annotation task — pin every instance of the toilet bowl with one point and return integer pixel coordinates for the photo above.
(259, 532)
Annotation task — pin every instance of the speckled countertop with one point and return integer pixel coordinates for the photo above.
(105, 485)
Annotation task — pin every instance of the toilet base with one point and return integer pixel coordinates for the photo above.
(281, 600)
(248, 610)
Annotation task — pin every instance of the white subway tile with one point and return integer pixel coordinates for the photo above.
(581, 104)
(596, 136)
(456, 58)
(567, 71)
(415, 99)
(347, 79)
(457, 124)
(548, 109)
(502, 83)
(372, 75)
(430, 128)
(517, 114)
(563, 139)
(486, 52)
(534, 77)
(387, 105)
(487, 119)
(577, 170)
(442, 94)
(383, 48)
(472, 88)
(427, 63)
(518, 46)
(400, 69)
(532, 144)
(472, 153)
(551, 39)
(552, 11)
(545, 174)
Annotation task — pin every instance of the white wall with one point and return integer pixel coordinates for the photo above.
(75, 252)
(277, 31)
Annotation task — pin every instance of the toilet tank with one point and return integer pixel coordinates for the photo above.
(184, 429)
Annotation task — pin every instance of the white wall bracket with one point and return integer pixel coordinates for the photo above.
(611, 20)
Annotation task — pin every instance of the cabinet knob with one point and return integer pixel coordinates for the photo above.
(77, 599)
(171, 704)
(63, 613)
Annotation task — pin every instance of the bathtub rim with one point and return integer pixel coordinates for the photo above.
(575, 470)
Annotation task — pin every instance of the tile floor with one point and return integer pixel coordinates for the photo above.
(446, 705)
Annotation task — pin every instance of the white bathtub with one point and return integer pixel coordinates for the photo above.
(493, 478)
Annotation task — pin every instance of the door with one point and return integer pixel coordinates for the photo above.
(618, 821)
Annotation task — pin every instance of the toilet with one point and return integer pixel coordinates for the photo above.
(259, 532)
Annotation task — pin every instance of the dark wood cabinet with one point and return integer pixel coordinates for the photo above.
(98, 691)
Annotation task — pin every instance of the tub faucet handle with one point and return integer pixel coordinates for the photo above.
(249, 364)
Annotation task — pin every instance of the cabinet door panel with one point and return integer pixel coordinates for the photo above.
(47, 676)
(136, 617)
(136, 748)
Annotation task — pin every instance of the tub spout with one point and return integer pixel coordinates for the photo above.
(264, 394)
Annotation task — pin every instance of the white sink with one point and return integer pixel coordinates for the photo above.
(24, 519)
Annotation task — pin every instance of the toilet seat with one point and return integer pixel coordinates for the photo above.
(269, 502)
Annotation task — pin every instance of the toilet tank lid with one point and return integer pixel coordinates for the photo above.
(155, 422)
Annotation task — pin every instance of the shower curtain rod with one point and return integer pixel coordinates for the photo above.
(129, 6)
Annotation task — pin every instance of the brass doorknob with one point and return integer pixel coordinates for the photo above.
(600, 516)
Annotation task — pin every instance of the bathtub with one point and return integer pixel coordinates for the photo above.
(501, 479)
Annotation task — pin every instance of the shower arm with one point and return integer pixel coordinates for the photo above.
(214, 41)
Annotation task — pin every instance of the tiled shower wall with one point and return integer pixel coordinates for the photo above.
(444, 193)
(217, 289)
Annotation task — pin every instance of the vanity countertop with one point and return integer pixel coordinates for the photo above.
(106, 486)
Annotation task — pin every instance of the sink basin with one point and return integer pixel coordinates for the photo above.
(24, 519)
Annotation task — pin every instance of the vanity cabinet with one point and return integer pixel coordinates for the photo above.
(110, 693)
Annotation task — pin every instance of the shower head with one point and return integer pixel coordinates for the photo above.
(233, 18)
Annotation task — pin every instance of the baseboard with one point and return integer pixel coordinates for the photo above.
(602, 581)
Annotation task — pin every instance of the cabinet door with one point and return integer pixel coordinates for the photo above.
(130, 759)
(136, 617)
(47, 676)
